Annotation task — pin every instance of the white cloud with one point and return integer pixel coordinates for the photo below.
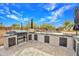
(25, 19)
(49, 17)
(42, 19)
(16, 13)
(6, 8)
(2, 11)
(50, 6)
(13, 17)
(59, 12)
(2, 17)
(8, 12)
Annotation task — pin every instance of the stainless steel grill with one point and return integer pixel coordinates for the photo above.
(21, 35)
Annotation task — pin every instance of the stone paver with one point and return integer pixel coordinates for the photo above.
(32, 52)
(35, 48)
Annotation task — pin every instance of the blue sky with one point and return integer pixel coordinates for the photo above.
(51, 13)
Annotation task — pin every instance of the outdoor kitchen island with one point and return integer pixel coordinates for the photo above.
(43, 43)
(14, 38)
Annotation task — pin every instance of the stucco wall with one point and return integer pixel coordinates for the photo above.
(40, 38)
(54, 39)
(70, 42)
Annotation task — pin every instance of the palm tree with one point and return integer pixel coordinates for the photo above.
(68, 25)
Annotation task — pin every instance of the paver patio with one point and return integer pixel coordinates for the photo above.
(35, 48)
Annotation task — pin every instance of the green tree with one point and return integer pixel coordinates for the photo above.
(28, 25)
(1, 25)
(61, 28)
(35, 25)
(15, 26)
(47, 26)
